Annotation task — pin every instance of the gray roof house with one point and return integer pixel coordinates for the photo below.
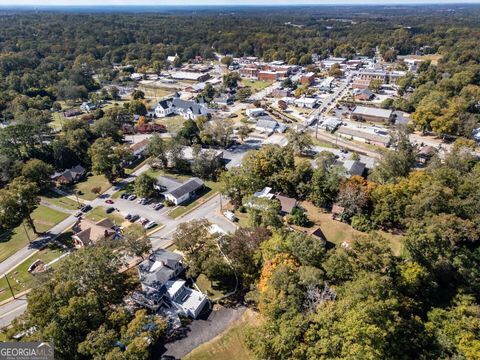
(354, 167)
(184, 191)
(161, 287)
(266, 124)
(188, 109)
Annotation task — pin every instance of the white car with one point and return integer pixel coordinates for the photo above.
(150, 225)
(141, 201)
(230, 216)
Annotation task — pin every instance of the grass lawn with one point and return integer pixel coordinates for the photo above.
(20, 279)
(256, 85)
(98, 213)
(44, 218)
(85, 187)
(337, 232)
(211, 188)
(229, 344)
(56, 199)
(173, 123)
(156, 92)
(208, 287)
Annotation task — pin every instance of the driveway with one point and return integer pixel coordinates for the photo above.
(201, 331)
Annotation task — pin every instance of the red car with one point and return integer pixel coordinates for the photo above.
(109, 201)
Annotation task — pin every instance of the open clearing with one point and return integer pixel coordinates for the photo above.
(230, 344)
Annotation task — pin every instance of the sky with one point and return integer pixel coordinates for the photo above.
(217, 2)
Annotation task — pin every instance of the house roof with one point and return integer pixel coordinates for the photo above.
(187, 187)
(366, 92)
(354, 167)
(158, 268)
(88, 231)
(287, 203)
(319, 234)
(337, 209)
(267, 124)
(71, 174)
(140, 145)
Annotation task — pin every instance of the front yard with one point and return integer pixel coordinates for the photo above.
(20, 279)
(98, 213)
(84, 188)
(56, 199)
(44, 219)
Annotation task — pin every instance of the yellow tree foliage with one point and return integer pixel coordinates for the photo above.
(271, 265)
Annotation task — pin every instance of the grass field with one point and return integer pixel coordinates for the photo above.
(20, 279)
(98, 213)
(85, 187)
(208, 287)
(173, 123)
(156, 92)
(43, 217)
(256, 85)
(56, 199)
(230, 344)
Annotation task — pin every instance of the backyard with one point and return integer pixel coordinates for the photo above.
(44, 219)
(173, 123)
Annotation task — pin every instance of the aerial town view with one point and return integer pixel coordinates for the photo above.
(215, 180)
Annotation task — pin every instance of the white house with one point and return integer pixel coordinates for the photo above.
(188, 109)
(161, 286)
(184, 191)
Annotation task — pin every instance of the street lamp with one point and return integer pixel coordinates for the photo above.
(26, 233)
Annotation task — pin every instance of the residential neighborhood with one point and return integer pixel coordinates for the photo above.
(287, 182)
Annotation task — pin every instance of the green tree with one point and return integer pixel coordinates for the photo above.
(17, 202)
(144, 186)
(107, 158)
(299, 141)
(38, 172)
(138, 94)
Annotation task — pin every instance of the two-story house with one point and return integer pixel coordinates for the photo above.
(160, 285)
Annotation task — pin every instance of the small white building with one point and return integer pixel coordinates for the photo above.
(255, 112)
(185, 191)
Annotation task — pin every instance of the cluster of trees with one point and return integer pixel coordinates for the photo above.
(170, 154)
(80, 309)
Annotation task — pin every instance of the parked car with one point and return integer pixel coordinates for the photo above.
(128, 216)
(132, 197)
(150, 225)
(78, 214)
(144, 221)
(125, 195)
(134, 218)
(158, 206)
(109, 201)
(230, 215)
(110, 210)
(141, 201)
(86, 208)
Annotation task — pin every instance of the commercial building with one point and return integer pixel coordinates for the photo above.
(364, 113)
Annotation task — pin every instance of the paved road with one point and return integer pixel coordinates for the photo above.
(11, 310)
(51, 234)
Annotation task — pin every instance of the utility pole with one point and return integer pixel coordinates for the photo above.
(221, 206)
(10, 287)
(76, 197)
(26, 233)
